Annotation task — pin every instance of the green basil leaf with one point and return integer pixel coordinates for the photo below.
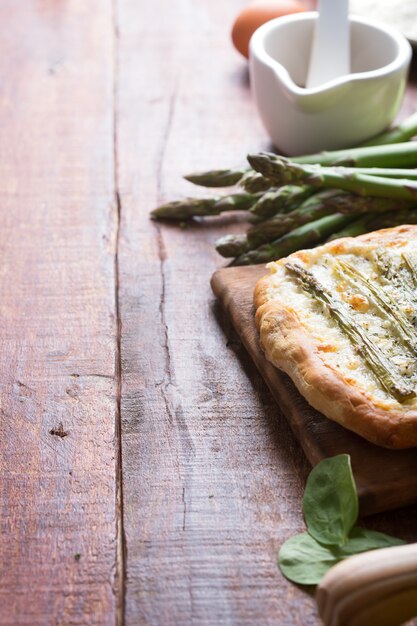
(362, 540)
(330, 501)
(304, 560)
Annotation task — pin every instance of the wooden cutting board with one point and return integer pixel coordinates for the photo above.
(386, 479)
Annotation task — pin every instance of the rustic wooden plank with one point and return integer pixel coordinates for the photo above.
(386, 479)
(212, 480)
(58, 226)
(213, 476)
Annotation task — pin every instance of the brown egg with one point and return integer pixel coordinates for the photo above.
(256, 14)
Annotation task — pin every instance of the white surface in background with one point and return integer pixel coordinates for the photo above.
(400, 14)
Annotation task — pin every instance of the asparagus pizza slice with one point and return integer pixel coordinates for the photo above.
(341, 321)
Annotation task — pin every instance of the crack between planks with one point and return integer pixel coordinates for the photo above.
(168, 382)
(120, 535)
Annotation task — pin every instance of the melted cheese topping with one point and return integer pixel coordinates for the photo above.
(384, 267)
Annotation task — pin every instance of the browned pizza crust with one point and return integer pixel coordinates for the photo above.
(289, 346)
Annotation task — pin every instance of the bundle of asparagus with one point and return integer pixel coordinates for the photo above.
(307, 200)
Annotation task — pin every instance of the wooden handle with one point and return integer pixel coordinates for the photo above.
(377, 588)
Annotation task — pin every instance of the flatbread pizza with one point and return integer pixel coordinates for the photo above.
(341, 321)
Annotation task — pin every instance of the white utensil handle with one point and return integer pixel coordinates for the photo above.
(377, 588)
(330, 52)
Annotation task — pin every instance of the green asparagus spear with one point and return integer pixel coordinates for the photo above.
(311, 209)
(350, 203)
(354, 229)
(400, 133)
(190, 207)
(281, 200)
(411, 264)
(374, 152)
(236, 202)
(385, 372)
(281, 171)
(232, 245)
(386, 172)
(253, 182)
(266, 231)
(303, 237)
(322, 203)
(217, 178)
(376, 221)
(391, 155)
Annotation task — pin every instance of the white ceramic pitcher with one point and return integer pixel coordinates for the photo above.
(342, 112)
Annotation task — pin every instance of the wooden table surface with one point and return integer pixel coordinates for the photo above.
(147, 475)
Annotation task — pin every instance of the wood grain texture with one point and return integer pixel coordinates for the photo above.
(213, 476)
(58, 226)
(386, 479)
(212, 480)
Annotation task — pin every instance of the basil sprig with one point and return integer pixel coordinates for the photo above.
(330, 507)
